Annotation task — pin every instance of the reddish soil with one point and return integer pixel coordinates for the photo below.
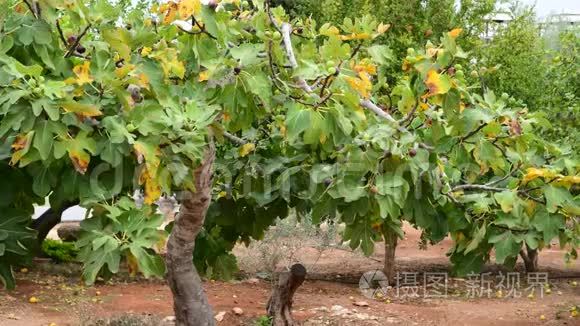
(63, 301)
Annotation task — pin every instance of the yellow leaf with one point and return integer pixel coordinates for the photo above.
(145, 51)
(329, 30)
(362, 84)
(148, 154)
(434, 52)
(132, 264)
(530, 207)
(355, 36)
(455, 32)
(436, 83)
(423, 106)
(246, 149)
(21, 146)
(20, 142)
(406, 65)
(82, 110)
(568, 181)
(222, 194)
(70, 81)
(203, 76)
(170, 10)
(187, 8)
(80, 160)
(534, 173)
(170, 62)
(152, 188)
(123, 71)
(143, 81)
(365, 66)
(83, 73)
(383, 28)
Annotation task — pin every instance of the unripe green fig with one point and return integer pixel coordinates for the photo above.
(331, 71)
(276, 35)
(459, 74)
(474, 74)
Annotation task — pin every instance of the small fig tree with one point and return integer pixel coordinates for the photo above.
(245, 115)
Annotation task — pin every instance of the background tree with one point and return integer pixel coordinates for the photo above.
(518, 49)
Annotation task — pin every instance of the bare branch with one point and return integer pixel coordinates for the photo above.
(409, 117)
(505, 177)
(271, 17)
(484, 187)
(30, 8)
(60, 33)
(234, 139)
(475, 131)
(478, 187)
(367, 104)
(286, 31)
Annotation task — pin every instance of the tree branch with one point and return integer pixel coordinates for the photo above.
(234, 139)
(286, 31)
(367, 104)
(60, 33)
(73, 47)
(409, 117)
(477, 187)
(505, 177)
(30, 8)
(473, 132)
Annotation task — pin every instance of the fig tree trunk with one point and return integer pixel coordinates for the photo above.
(279, 306)
(530, 258)
(189, 300)
(49, 219)
(390, 238)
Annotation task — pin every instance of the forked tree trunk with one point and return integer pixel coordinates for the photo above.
(390, 238)
(189, 300)
(530, 258)
(279, 306)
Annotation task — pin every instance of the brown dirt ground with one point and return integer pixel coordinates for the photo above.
(64, 301)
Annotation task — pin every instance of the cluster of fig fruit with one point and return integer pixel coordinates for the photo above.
(331, 67)
(135, 92)
(72, 40)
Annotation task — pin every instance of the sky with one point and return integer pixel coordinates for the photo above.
(546, 7)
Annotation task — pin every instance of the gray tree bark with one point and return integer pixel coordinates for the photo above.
(279, 306)
(390, 239)
(530, 258)
(190, 302)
